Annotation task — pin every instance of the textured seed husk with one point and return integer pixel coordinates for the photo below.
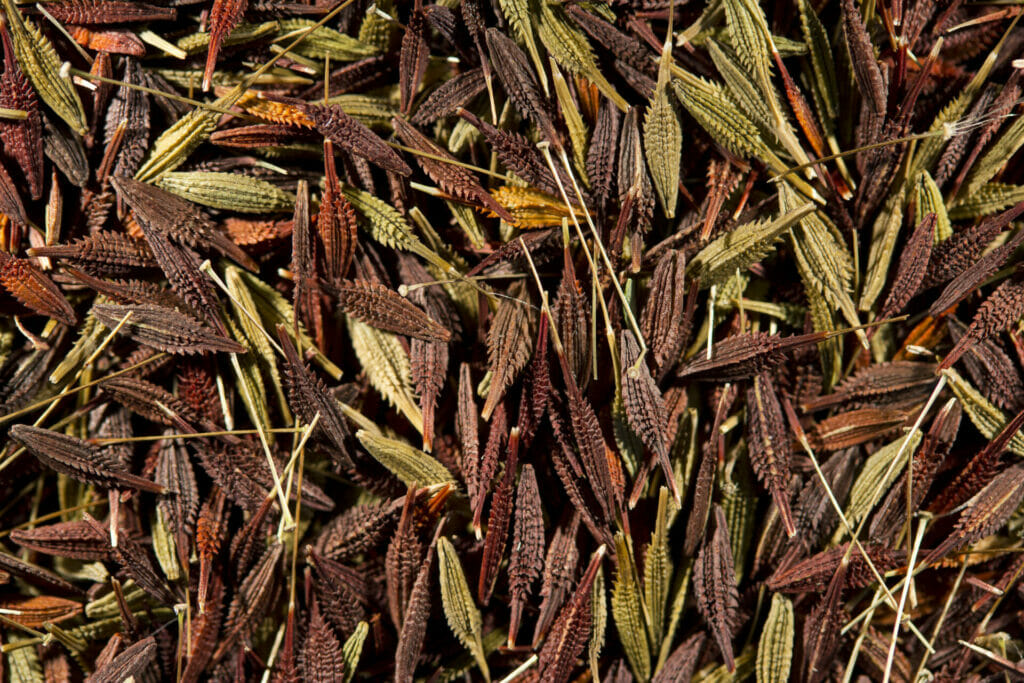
(409, 464)
(230, 191)
(165, 329)
(775, 648)
(460, 611)
(629, 610)
(40, 62)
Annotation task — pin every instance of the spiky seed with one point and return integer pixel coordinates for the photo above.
(224, 16)
(520, 84)
(413, 56)
(22, 140)
(344, 131)
(571, 629)
(38, 58)
(645, 407)
(714, 583)
(380, 307)
(309, 397)
(78, 459)
(131, 663)
(508, 346)
(769, 444)
(32, 287)
(322, 657)
(525, 560)
(165, 329)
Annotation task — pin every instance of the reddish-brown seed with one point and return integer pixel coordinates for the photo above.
(22, 140)
(224, 16)
(34, 289)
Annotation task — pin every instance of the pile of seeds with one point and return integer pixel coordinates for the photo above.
(511, 340)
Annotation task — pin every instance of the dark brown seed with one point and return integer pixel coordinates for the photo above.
(160, 211)
(308, 397)
(106, 253)
(165, 329)
(985, 513)
(517, 154)
(253, 599)
(680, 665)
(855, 427)
(974, 275)
(37, 576)
(1001, 309)
(353, 137)
(402, 561)
(498, 523)
(174, 472)
(322, 658)
(935, 447)
(260, 135)
(412, 58)
(453, 179)
(108, 12)
(814, 574)
(862, 57)
(454, 93)
(414, 625)
(75, 540)
(336, 223)
(911, 269)
(205, 631)
(343, 593)
(572, 321)
(136, 563)
(79, 459)
(306, 295)
(525, 563)
(130, 664)
(714, 585)
(429, 360)
(636, 193)
(536, 387)
(821, 629)
(572, 628)
(962, 250)
(709, 454)
(745, 355)
(129, 118)
(380, 307)
(139, 292)
(623, 46)
(978, 471)
(358, 529)
(517, 76)
(560, 567)
(482, 473)
(645, 408)
(467, 428)
(249, 543)
(508, 345)
(879, 383)
(768, 442)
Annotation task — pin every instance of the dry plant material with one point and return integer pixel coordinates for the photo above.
(511, 340)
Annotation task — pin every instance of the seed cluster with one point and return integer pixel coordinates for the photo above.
(519, 340)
